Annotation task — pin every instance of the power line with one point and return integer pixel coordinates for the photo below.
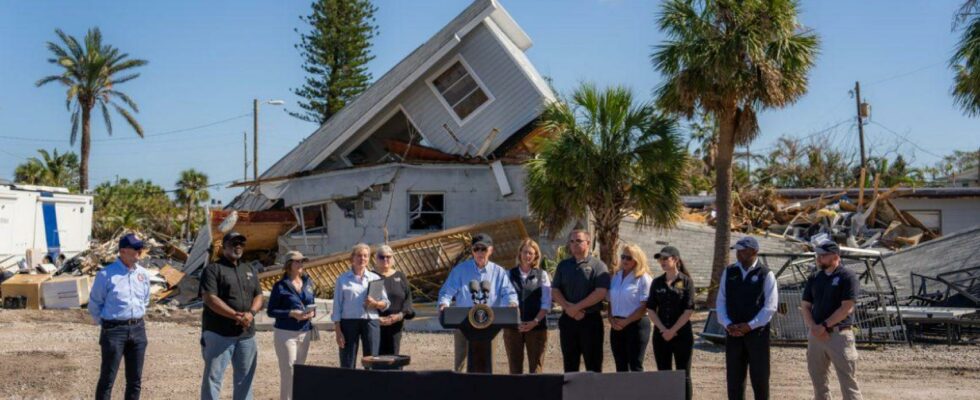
(811, 134)
(907, 73)
(907, 140)
(193, 128)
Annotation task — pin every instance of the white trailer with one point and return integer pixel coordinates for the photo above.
(48, 220)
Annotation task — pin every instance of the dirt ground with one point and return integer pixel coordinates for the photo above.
(55, 355)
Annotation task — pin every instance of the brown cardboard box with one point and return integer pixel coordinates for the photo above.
(66, 291)
(25, 285)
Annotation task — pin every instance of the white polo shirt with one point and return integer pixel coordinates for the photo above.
(626, 294)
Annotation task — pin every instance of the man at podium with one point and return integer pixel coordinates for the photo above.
(494, 286)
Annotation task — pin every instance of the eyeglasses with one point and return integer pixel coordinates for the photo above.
(385, 256)
(479, 249)
(626, 257)
(577, 241)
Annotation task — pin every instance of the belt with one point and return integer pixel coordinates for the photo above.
(109, 323)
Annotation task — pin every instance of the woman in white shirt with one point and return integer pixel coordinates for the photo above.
(629, 331)
(355, 313)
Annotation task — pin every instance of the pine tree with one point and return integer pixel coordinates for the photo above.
(336, 52)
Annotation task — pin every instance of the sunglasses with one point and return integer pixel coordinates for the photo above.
(626, 257)
(237, 244)
(385, 257)
(479, 249)
(577, 241)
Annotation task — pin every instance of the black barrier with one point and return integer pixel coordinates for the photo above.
(310, 382)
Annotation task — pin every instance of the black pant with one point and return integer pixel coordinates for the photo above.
(118, 342)
(581, 339)
(365, 330)
(675, 353)
(629, 345)
(749, 353)
(391, 339)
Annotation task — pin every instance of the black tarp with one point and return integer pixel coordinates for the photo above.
(311, 382)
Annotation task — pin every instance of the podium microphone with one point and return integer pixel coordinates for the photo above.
(474, 289)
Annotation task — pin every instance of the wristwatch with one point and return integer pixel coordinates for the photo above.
(537, 320)
(252, 312)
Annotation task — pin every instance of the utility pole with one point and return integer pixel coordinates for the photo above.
(245, 156)
(864, 160)
(255, 139)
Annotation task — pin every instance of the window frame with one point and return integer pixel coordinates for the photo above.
(408, 215)
(479, 83)
(300, 230)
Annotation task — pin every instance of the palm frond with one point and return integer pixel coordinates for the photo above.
(106, 118)
(129, 119)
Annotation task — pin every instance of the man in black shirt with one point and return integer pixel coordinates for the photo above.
(828, 300)
(580, 285)
(232, 296)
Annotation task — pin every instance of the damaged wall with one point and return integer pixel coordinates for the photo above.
(515, 102)
(471, 195)
(957, 214)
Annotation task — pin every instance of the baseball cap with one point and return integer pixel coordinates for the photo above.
(747, 242)
(296, 256)
(482, 239)
(668, 251)
(130, 241)
(826, 247)
(233, 236)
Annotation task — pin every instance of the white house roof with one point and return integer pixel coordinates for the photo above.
(341, 126)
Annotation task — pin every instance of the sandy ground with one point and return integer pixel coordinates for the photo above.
(55, 354)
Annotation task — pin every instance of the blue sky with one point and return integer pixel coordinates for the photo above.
(209, 59)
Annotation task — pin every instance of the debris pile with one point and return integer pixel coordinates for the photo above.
(878, 223)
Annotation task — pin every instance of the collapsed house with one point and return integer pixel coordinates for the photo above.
(436, 143)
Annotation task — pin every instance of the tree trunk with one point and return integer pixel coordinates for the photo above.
(187, 222)
(86, 146)
(607, 233)
(723, 200)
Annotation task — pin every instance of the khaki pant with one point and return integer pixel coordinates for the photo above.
(291, 348)
(515, 342)
(840, 352)
(461, 347)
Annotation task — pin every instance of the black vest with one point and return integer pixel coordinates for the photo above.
(745, 297)
(529, 293)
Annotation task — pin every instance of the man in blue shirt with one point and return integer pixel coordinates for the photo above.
(480, 269)
(117, 302)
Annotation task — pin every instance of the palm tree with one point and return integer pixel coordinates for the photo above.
(91, 74)
(192, 189)
(730, 59)
(52, 169)
(610, 157)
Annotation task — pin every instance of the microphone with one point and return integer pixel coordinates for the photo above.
(485, 286)
(474, 288)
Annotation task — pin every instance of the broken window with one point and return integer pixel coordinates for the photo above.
(376, 148)
(314, 219)
(426, 212)
(460, 90)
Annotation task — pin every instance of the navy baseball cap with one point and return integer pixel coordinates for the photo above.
(747, 242)
(130, 241)
(233, 237)
(482, 239)
(826, 247)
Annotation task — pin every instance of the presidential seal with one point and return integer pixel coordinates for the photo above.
(481, 316)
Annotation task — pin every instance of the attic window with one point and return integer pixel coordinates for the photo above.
(460, 90)
(426, 212)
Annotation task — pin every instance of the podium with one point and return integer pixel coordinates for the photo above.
(479, 324)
